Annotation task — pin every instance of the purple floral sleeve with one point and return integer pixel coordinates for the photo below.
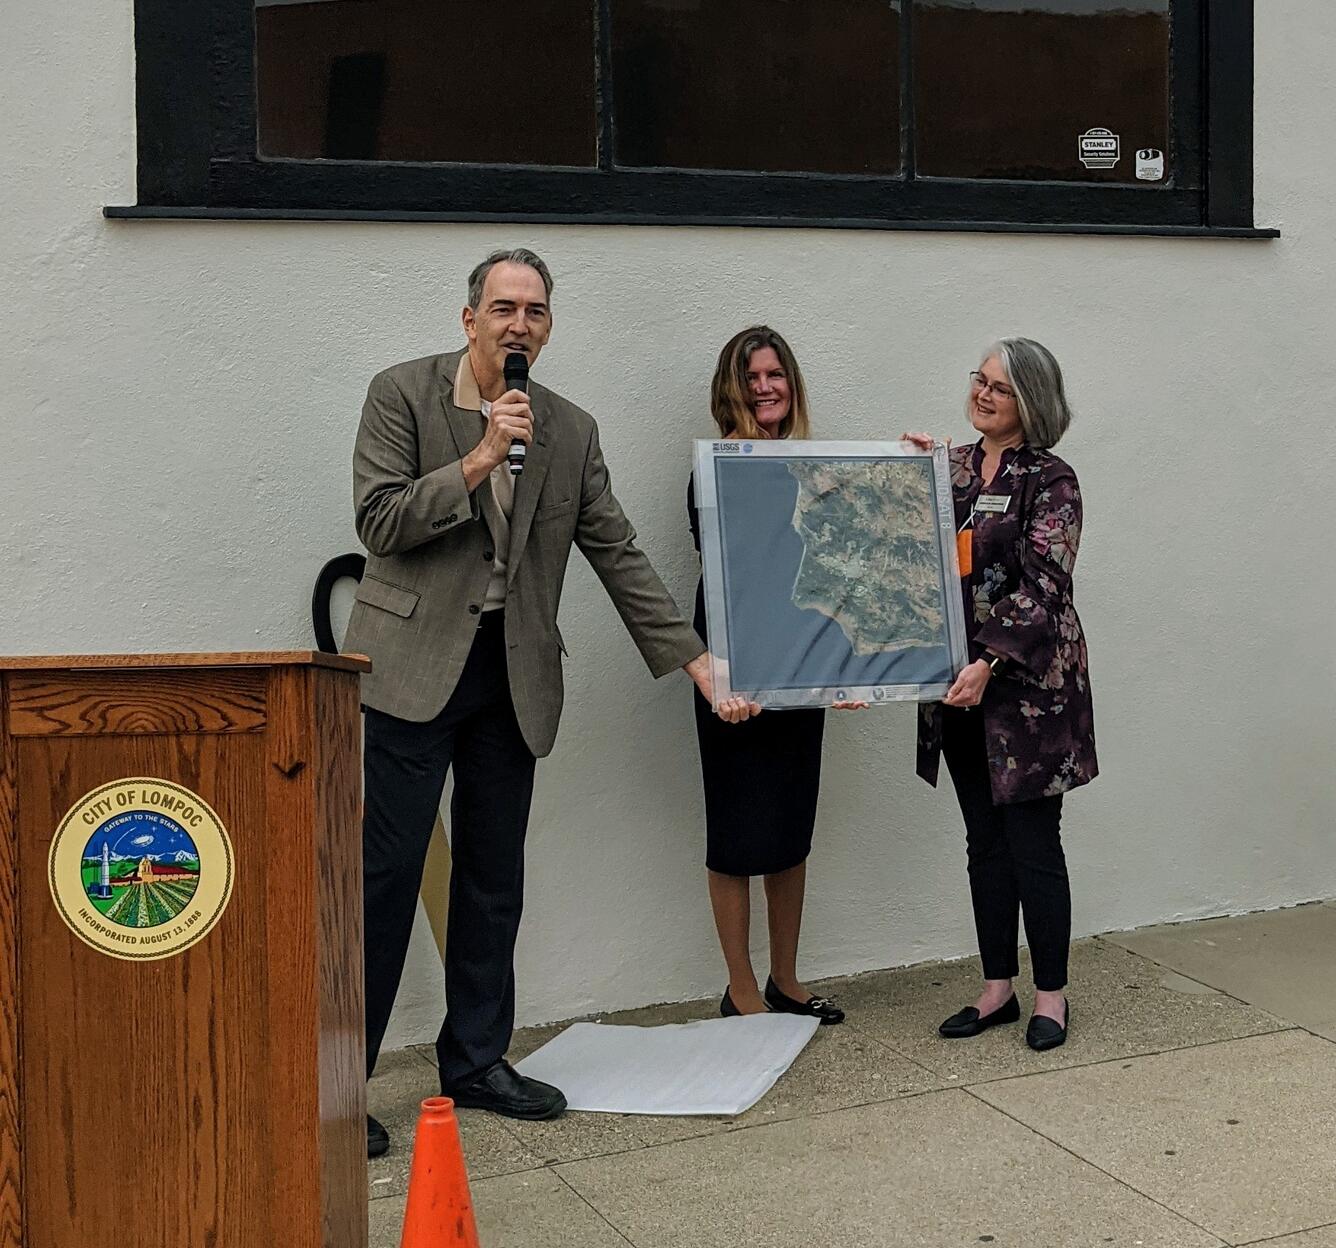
(1038, 717)
(1028, 625)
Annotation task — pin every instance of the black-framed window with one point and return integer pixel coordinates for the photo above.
(1103, 114)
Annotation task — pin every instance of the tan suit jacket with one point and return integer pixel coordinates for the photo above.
(418, 607)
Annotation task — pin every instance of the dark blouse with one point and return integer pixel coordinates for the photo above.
(1037, 712)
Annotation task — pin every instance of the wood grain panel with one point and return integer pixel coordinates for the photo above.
(290, 939)
(11, 1086)
(337, 781)
(144, 1082)
(102, 703)
(215, 1098)
(244, 658)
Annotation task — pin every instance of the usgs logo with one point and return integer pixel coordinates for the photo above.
(733, 448)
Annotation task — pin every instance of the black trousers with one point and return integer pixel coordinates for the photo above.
(405, 767)
(1015, 860)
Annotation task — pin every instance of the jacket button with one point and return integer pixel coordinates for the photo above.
(474, 608)
(451, 518)
(487, 555)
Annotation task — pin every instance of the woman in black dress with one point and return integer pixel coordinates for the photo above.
(762, 776)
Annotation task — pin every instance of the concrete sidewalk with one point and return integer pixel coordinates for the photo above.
(1191, 1106)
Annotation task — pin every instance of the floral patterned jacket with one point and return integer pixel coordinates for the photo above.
(1038, 720)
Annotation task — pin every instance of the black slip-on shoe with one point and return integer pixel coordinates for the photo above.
(814, 1007)
(377, 1138)
(728, 1008)
(503, 1090)
(967, 1022)
(1047, 1033)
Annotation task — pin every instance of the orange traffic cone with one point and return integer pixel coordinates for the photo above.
(440, 1209)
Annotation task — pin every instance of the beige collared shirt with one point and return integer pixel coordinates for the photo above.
(496, 496)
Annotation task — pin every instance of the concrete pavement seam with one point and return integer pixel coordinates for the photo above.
(862, 1104)
(1085, 1161)
(1224, 992)
(602, 1217)
(1125, 1057)
(1271, 1239)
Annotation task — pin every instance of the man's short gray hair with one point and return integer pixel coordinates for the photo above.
(513, 255)
(1040, 398)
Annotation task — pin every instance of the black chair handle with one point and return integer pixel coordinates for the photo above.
(331, 574)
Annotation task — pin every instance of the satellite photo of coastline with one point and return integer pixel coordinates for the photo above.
(832, 574)
(870, 558)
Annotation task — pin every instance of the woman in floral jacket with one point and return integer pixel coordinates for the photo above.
(1017, 727)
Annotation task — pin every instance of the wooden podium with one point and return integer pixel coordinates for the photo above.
(211, 1097)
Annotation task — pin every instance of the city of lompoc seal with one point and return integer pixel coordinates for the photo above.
(141, 868)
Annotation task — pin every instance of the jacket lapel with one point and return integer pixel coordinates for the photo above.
(462, 405)
(463, 412)
(530, 483)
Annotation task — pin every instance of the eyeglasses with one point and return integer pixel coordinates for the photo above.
(999, 388)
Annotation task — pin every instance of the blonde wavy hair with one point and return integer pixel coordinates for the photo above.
(730, 395)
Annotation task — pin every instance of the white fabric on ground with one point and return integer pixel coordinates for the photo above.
(714, 1066)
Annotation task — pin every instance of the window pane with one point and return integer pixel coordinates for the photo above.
(423, 80)
(768, 85)
(1007, 88)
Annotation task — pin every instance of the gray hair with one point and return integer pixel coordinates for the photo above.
(1040, 398)
(512, 255)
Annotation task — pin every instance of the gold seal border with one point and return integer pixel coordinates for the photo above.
(205, 925)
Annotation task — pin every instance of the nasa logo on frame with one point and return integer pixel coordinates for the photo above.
(141, 868)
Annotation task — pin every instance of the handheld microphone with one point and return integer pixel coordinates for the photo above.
(516, 372)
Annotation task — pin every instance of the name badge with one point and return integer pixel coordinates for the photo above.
(993, 502)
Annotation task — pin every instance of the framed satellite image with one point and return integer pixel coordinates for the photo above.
(830, 571)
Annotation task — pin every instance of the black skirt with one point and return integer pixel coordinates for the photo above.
(761, 779)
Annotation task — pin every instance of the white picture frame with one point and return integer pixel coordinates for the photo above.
(830, 571)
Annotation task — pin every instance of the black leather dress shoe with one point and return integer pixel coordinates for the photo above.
(377, 1138)
(967, 1022)
(1046, 1033)
(503, 1090)
(814, 1007)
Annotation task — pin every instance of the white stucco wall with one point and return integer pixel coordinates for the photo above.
(179, 403)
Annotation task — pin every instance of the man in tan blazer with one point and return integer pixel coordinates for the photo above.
(458, 611)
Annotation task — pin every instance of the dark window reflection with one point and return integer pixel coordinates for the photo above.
(1005, 88)
(356, 94)
(423, 80)
(768, 85)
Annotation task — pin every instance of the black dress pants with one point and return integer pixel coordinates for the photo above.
(1015, 861)
(405, 766)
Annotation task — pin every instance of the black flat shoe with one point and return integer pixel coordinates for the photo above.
(377, 1138)
(967, 1023)
(503, 1090)
(1045, 1033)
(814, 1007)
(729, 1008)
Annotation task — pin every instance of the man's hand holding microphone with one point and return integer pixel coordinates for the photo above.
(509, 427)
